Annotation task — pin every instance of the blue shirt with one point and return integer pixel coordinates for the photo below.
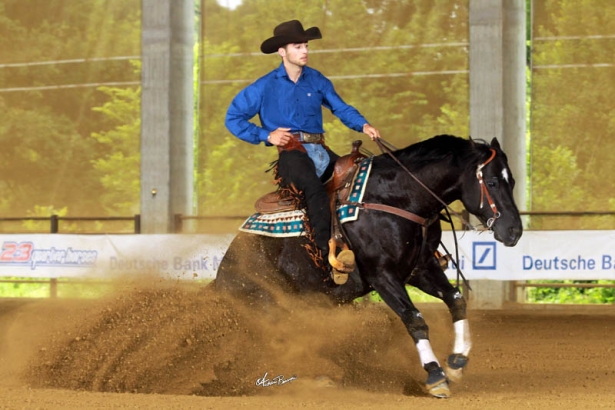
(280, 102)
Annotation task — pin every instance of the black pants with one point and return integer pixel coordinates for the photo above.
(297, 168)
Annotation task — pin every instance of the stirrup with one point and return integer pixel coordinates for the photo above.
(342, 264)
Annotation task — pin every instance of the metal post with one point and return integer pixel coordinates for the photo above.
(137, 223)
(55, 224)
(497, 101)
(53, 288)
(178, 223)
(166, 112)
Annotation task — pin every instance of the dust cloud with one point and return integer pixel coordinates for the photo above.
(174, 337)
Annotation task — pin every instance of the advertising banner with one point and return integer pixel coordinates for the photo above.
(539, 255)
(59, 255)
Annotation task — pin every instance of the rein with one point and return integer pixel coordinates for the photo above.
(388, 151)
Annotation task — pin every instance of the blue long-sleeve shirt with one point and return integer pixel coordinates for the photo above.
(279, 102)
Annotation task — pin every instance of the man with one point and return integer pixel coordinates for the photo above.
(289, 103)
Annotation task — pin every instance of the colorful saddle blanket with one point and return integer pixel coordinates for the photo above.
(291, 223)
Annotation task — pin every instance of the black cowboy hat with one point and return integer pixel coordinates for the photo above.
(287, 33)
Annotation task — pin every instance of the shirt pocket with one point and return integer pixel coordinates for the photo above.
(310, 102)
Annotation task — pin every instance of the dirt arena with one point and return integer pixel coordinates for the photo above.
(181, 348)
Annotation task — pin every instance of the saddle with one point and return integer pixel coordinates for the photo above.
(338, 188)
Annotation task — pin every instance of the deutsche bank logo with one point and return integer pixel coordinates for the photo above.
(483, 255)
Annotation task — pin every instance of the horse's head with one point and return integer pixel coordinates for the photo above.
(488, 194)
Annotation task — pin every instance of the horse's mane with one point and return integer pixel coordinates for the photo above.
(440, 148)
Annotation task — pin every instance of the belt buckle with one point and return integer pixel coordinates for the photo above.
(309, 138)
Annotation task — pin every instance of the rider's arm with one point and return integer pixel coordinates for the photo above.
(242, 109)
(350, 116)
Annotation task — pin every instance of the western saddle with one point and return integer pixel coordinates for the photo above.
(338, 188)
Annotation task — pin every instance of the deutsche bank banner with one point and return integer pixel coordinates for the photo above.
(539, 255)
(581, 255)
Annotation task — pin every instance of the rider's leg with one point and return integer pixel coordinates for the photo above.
(297, 168)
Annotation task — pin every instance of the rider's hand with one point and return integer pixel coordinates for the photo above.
(371, 131)
(280, 137)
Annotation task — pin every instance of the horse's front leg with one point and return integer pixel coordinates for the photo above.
(432, 280)
(394, 294)
(458, 360)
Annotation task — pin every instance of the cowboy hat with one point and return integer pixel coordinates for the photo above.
(287, 33)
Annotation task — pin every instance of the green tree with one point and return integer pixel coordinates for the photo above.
(45, 141)
(118, 169)
(572, 109)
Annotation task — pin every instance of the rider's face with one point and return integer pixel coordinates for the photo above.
(295, 53)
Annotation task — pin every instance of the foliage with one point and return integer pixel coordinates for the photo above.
(572, 112)
(66, 288)
(23, 290)
(47, 152)
(118, 168)
(572, 294)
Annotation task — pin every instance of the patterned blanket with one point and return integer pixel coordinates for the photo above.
(291, 223)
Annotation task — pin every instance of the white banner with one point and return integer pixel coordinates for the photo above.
(581, 255)
(59, 255)
(539, 255)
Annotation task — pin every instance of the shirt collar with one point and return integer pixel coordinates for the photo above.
(281, 71)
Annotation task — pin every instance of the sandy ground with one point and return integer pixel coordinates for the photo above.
(182, 348)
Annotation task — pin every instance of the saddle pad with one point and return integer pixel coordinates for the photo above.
(291, 223)
(280, 225)
(348, 213)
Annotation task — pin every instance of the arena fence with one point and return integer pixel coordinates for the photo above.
(54, 224)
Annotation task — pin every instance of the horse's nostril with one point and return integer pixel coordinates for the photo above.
(515, 232)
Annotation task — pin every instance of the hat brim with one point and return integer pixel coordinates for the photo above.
(271, 45)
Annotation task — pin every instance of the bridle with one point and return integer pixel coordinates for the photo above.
(484, 192)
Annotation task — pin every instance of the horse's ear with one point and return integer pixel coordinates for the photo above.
(471, 140)
(495, 143)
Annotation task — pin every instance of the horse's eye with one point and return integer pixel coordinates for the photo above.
(492, 183)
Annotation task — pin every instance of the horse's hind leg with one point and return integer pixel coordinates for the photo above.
(433, 281)
(395, 295)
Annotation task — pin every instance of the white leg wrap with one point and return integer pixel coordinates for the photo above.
(463, 343)
(425, 352)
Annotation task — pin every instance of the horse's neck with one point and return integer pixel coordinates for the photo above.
(422, 190)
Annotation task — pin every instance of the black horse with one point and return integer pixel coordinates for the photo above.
(391, 250)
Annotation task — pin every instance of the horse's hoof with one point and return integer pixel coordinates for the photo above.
(440, 390)
(339, 277)
(436, 384)
(455, 364)
(454, 375)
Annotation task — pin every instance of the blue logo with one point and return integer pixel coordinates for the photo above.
(483, 255)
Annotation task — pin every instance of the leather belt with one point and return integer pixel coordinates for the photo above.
(307, 138)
